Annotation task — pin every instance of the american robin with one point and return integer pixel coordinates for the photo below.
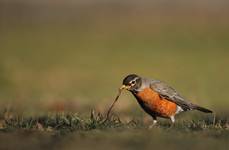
(157, 98)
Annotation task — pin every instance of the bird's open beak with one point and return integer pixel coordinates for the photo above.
(124, 87)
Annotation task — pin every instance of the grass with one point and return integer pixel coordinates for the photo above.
(70, 130)
(69, 122)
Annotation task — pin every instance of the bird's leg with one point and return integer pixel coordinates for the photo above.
(154, 122)
(172, 118)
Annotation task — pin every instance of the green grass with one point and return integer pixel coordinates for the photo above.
(70, 122)
(70, 130)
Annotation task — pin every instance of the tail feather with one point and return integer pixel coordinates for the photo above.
(201, 109)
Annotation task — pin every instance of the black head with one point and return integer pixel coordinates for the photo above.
(131, 82)
(127, 80)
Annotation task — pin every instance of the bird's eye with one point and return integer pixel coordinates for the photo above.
(133, 82)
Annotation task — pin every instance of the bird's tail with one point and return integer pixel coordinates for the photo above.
(196, 107)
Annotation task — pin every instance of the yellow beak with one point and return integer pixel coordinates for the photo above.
(124, 87)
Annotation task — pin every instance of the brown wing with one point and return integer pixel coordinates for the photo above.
(170, 94)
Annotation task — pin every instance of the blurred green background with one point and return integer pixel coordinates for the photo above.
(72, 55)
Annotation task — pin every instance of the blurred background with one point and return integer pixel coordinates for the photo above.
(67, 55)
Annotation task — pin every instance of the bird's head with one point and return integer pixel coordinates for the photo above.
(131, 82)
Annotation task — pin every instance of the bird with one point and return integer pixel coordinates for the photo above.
(157, 98)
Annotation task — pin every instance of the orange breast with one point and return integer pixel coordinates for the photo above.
(156, 104)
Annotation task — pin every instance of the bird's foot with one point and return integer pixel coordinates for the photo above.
(153, 125)
(171, 126)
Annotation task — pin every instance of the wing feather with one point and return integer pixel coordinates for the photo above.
(170, 94)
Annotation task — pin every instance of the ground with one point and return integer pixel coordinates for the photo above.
(70, 131)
